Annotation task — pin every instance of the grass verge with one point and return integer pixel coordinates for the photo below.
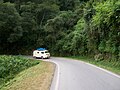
(38, 77)
(109, 65)
(10, 66)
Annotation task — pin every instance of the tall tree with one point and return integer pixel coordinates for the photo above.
(10, 25)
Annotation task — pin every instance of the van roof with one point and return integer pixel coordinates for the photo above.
(41, 49)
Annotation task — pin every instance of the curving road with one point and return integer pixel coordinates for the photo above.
(78, 75)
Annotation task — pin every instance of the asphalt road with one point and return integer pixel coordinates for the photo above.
(77, 75)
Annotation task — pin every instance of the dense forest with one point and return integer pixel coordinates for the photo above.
(65, 27)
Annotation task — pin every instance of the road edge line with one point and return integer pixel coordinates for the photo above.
(107, 71)
(57, 71)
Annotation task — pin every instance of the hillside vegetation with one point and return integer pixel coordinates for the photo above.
(65, 27)
(38, 77)
(10, 66)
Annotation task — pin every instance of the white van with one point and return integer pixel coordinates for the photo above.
(41, 54)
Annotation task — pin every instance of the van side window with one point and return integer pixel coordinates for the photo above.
(37, 52)
(46, 52)
(42, 52)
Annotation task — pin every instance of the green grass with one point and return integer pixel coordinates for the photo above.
(113, 66)
(37, 77)
(10, 66)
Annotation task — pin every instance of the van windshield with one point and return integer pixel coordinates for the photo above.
(42, 52)
(46, 52)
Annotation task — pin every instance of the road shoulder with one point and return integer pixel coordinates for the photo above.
(38, 77)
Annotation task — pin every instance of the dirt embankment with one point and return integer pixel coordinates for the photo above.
(38, 77)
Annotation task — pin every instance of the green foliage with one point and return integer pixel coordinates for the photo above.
(59, 27)
(29, 24)
(12, 65)
(68, 4)
(65, 27)
(10, 23)
(10, 26)
(96, 33)
(23, 28)
(106, 23)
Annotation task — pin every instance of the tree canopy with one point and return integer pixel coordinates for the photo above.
(65, 27)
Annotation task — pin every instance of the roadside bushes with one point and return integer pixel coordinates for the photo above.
(12, 65)
(98, 57)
